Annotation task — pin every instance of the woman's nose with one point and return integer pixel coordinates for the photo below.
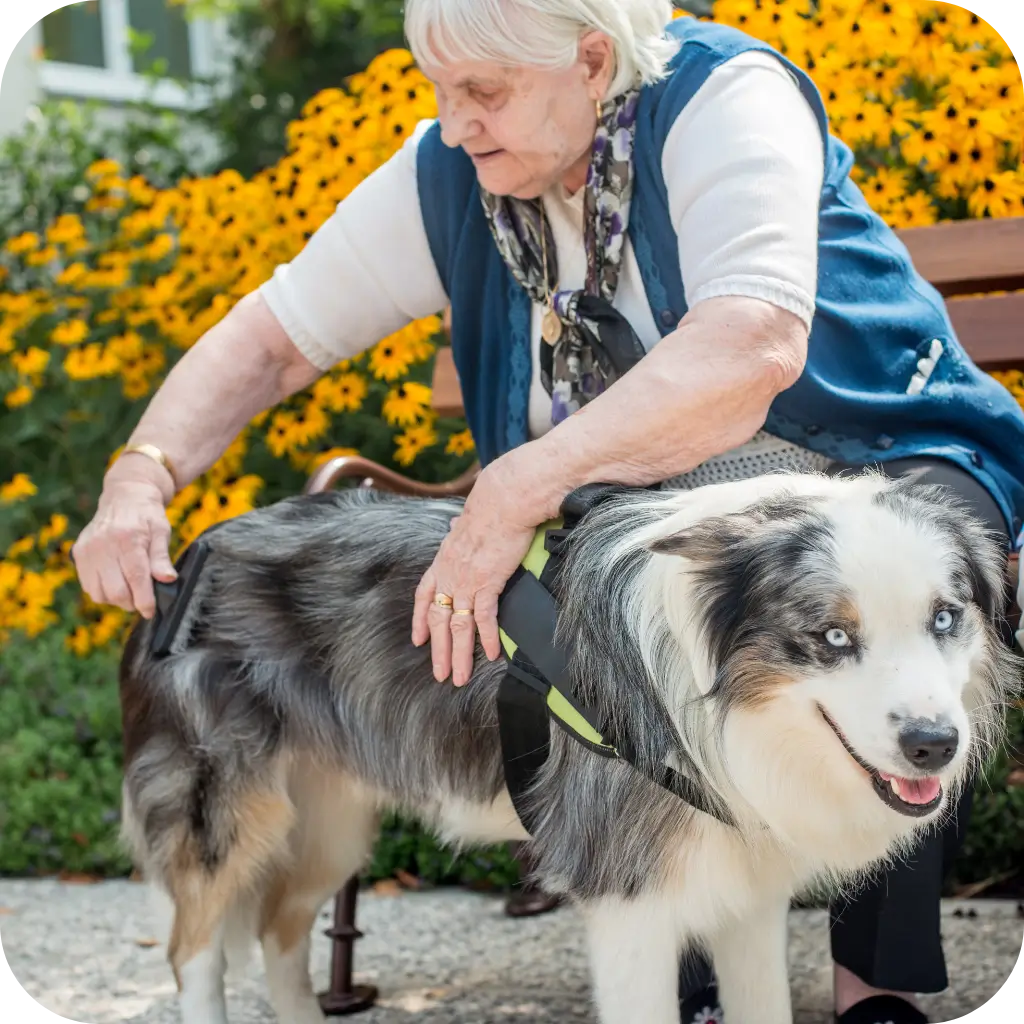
(457, 128)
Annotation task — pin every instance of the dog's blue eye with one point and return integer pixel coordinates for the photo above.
(837, 637)
(944, 621)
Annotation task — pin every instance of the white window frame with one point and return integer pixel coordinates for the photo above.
(117, 82)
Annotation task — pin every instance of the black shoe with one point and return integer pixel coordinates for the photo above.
(702, 1007)
(882, 1010)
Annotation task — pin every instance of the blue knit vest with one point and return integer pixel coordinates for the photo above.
(875, 315)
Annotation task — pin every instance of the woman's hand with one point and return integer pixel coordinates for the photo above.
(126, 544)
(475, 561)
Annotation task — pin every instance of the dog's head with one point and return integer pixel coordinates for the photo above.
(846, 632)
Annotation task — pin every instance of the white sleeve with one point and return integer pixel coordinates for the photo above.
(744, 164)
(365, 273)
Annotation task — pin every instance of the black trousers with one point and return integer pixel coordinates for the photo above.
(888, 935)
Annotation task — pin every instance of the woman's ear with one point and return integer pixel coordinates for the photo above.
(597, 54)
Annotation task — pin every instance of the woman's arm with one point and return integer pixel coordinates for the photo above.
(241, 366)
(703, 390)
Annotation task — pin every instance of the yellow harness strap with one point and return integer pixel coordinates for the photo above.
(559, 706)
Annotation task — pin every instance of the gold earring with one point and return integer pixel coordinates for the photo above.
(597, 108)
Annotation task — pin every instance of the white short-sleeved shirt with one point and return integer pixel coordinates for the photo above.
(743, 165)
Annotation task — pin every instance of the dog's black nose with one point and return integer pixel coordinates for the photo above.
(929, 745)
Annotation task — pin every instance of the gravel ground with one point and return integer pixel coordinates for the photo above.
(441, 957)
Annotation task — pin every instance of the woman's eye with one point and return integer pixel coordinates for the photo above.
(943, 621)
(837, 637)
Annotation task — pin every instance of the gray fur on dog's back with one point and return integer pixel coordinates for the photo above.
(301, 639)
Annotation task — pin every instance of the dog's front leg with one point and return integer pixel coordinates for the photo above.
(634, 949)
(750, 960)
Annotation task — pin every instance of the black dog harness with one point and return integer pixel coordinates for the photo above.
(537, 688)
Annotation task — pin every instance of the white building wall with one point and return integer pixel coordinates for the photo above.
(20, 86)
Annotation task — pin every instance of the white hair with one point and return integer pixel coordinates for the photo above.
(543, 33)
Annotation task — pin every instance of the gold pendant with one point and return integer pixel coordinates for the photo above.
(551, 327)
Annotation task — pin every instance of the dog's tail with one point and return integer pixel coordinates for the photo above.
(206, 815)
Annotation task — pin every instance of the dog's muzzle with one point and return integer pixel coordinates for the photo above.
(915, 798)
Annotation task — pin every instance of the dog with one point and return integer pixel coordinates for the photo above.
(819, 655)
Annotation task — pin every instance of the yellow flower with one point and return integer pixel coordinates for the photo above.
(25, 242)
(18, 487)
(71, 274)
(90, 362)
(21, 547)
(460, 443)
(390, 358)
(279, 436)
(18, 397)
(71, 332)
(344, 392)
(102, 169)
(140, 192)
(316, 461)
(998, 195)
(924, 147)
(111, 622)
(313, 423)
(55, 529)
(410, 443)
(31, 363)
(42, 256)
(885, 187)
(79, 642)
(405, 404)
(66, 228)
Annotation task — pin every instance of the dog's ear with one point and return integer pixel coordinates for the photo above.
(704, 541)
(710, 538)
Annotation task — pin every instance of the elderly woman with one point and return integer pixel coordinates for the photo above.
(602, 194)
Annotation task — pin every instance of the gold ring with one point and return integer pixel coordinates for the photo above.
(463, 611)
(443, 600)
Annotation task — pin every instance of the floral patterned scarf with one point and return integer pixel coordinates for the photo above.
(597, 345)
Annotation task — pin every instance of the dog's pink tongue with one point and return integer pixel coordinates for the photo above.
(916, 791)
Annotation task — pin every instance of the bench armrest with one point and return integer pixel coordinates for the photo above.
(372, 474)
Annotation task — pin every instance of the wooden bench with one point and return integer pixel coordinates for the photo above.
(977, 265)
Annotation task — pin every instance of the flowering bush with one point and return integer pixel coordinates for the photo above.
(927, 95)
(96, 308)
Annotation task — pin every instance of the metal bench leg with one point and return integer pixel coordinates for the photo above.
(342, 997)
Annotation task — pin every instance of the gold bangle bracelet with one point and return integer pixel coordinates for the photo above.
(157, 455)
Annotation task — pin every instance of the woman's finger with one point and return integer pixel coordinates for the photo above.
(425, 592)
(114, 587)
(486, 614)
(439, 620)
(136, 571)
(463, 630)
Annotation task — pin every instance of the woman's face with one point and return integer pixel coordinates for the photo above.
(524, 128)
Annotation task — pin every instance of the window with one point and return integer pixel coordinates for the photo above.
(104, 49)
(74, 34)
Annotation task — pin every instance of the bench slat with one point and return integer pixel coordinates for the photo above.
(991, 329)
(960, 257)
